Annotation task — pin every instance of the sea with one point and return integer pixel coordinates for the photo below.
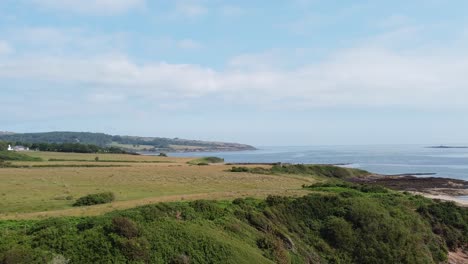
(383, 159)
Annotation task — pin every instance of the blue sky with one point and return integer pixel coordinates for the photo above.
(298, 72)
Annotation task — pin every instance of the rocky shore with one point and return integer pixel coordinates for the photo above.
(431, 187)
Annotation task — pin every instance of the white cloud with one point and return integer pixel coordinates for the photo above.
(189, 44)
(106, 98)
(91, 6)
(256, 61)
(70, 40)
(395, 20)
(371, 74)
(5, 48)
(190, 8)
(232, 11)
(355, 77)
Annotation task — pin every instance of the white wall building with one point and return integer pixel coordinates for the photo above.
(17, 148)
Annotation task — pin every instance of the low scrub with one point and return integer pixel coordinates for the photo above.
(206, 161)
(15, 156)
(369, 226)
(328, 171)
(348, 187)
(97, 198)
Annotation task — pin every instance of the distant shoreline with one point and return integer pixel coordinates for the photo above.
(448, 147)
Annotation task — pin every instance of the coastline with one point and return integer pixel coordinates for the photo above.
(443, 197)
(431, 187)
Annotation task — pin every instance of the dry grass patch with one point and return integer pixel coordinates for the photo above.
(52, 191)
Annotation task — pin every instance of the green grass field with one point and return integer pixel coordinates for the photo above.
(50, 190)
(115, 208)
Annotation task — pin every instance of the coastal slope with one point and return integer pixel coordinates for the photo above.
(130, 143)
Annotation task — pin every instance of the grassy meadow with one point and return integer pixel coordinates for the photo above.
(38, 189)
(116, 208)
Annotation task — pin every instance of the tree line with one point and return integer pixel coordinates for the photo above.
(65, 147)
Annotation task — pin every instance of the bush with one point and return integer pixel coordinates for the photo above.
(339, 233)
(125, 227)
(136, 249)
(15, 156)
(181, 259)
(22, 255)
(206, 160)
(3, 146)
(449, 221)
(92, 199)
(208, 209)
(240, 169)
(325, 227)
(328, 171)
(4, 164)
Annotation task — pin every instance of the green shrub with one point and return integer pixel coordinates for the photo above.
(20, 255)
(206, 160)
(239, 169)
(339, 233)
(4, 164)
(362, 226)
(208, 209)
(213, 160)
(15, 156)
(3, 146)
(135, 249)
(125, 227)
(181, 259)
(92, 199)
(328, 171)
(448, 220)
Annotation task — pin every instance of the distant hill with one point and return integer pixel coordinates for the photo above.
(131, 143)
(448, 147)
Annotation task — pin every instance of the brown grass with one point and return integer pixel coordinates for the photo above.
(43, 192)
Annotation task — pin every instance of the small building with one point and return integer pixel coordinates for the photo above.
(17, 148)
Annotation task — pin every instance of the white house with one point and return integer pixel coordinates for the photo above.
(17, 148)
(20, 148)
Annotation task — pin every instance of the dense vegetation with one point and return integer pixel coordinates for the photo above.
(328, 171)
(16, 156)
(78, 148)
(3, 146)
(97, 198)
(206, 161)
(104, 140)
(99, 139)
(338, 223)
(72, 148)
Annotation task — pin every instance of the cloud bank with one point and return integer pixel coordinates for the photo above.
(91, 6)
(355, 77)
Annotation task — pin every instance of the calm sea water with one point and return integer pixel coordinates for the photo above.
(395, 159)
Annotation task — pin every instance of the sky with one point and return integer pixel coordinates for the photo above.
(297, 72)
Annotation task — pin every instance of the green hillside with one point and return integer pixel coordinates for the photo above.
(130, 143)
(336, 224)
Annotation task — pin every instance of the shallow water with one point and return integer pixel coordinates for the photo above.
(385, 159)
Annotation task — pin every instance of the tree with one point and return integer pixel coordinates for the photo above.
(3, 146)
